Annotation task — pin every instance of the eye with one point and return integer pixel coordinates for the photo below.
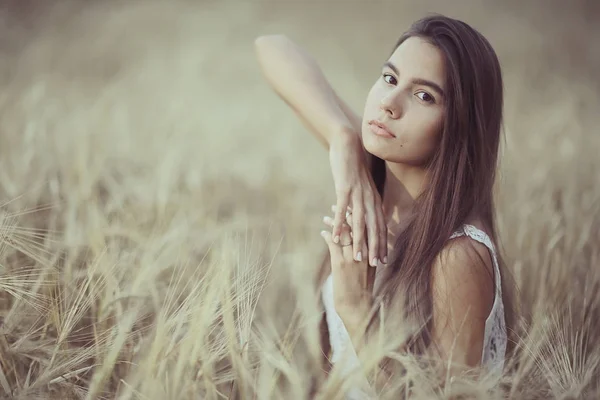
(389, 79)
(426, 97)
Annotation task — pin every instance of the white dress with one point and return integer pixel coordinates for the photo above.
(495, 339)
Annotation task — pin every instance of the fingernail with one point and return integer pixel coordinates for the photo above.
(336, 239)
(323, 233)
(359, 256)
(385, 259)
(374, 262)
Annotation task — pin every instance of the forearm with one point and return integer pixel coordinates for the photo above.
(296, 77)
(356, 324)
(355, 320)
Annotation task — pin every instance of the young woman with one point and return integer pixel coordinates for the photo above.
(418, 171)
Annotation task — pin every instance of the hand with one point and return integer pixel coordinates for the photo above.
(352, 280)
(354, 186)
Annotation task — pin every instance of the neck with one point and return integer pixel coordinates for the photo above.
(403, 184)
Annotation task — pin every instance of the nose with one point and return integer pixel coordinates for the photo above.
(390, 104)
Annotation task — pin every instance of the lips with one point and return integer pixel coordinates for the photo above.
(381, 126)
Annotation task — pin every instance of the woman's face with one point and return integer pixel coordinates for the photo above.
(408, 101)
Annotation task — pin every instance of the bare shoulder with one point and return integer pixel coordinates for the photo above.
(462, 275)
(469, 255)
(463, 296)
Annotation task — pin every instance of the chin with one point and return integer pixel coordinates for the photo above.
(375, 148)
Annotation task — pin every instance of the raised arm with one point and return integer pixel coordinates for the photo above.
(297, 78)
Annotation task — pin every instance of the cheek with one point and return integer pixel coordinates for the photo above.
(422, 126)
(422, 137)
(431, 130)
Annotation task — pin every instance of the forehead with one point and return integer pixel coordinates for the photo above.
(417, 58)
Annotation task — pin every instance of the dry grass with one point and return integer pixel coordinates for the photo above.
(161, 207)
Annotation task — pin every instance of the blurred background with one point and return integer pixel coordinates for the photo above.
(143, 131)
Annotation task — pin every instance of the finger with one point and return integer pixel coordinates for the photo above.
(349, 219)
(371, 272)
(334, 208)
(346, 229)
(358, 233)
(347, 223)
(372, 238)
(339, 218)
(345, 238)
(345, 234)
(347, 251)
(348, 214)
(335, 251)
(383, 248)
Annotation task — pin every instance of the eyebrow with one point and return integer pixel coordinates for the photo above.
(417, 81)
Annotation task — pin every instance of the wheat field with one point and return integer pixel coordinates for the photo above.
(161, 207)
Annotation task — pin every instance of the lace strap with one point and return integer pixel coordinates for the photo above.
(494, 347)
(482, 237)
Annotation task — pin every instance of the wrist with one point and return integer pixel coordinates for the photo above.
(344, 134)
(356, 318)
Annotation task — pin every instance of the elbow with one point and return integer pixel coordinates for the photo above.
(267, 40)
(260, 43)
(267, 48)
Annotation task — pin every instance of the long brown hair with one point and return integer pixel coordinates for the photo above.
(461, 174)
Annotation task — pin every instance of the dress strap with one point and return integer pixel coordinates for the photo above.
(482, 237)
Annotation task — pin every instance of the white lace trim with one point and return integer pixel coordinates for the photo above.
(495, 339)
